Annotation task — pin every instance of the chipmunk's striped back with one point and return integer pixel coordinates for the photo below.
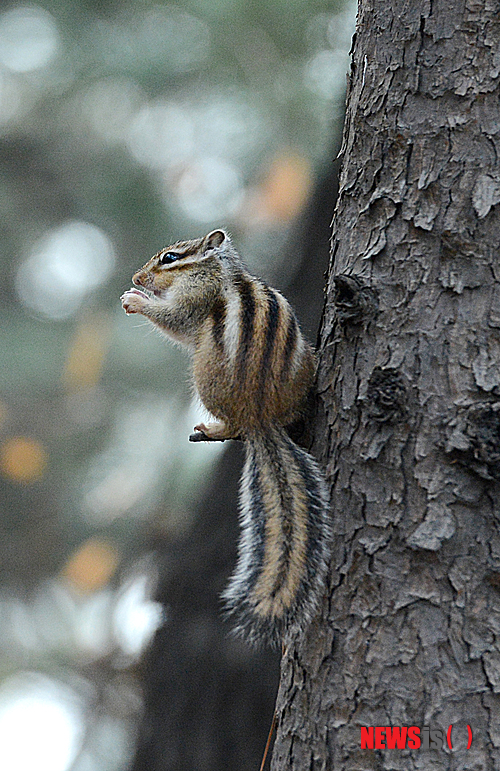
(264, 360)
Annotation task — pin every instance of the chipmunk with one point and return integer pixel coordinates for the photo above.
(253, 371)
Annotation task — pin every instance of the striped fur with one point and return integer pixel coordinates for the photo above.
(268, 361)
(253, 371)
(285, 540)
(218, 314)
(246, 325)
(232, 325)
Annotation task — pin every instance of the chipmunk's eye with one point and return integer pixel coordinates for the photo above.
(167, 258)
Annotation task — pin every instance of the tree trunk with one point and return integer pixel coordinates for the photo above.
(409, 405)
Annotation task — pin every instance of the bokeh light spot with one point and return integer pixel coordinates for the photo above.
(92, 565)
(325, 73)
(64, 266)
(209, 189)
(136, 617)
(86, 354)
(161, 135)
(287, 186)
(23, 459)
(28, 38)
(40, 724)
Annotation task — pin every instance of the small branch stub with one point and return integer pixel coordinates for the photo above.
(199, 436)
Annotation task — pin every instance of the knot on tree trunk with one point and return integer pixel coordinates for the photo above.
(354, 301)
(476, 439)
(386, 395)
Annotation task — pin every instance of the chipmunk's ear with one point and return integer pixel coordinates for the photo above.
(215, 239)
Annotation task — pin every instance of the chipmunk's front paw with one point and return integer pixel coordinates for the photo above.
(217, 431)
(133, 301)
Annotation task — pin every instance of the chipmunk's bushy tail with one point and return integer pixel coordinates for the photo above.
(284, 547)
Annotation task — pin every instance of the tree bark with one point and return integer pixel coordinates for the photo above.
(409, 404)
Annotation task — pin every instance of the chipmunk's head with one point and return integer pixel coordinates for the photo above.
(200, 258)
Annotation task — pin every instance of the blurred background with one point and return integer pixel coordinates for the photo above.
(125, 126)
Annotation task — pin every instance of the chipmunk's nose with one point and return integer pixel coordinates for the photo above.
(137, 280)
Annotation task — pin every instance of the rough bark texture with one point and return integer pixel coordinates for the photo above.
(409, 404)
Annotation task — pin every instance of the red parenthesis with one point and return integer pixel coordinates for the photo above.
(469, 730)
(448, 737)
